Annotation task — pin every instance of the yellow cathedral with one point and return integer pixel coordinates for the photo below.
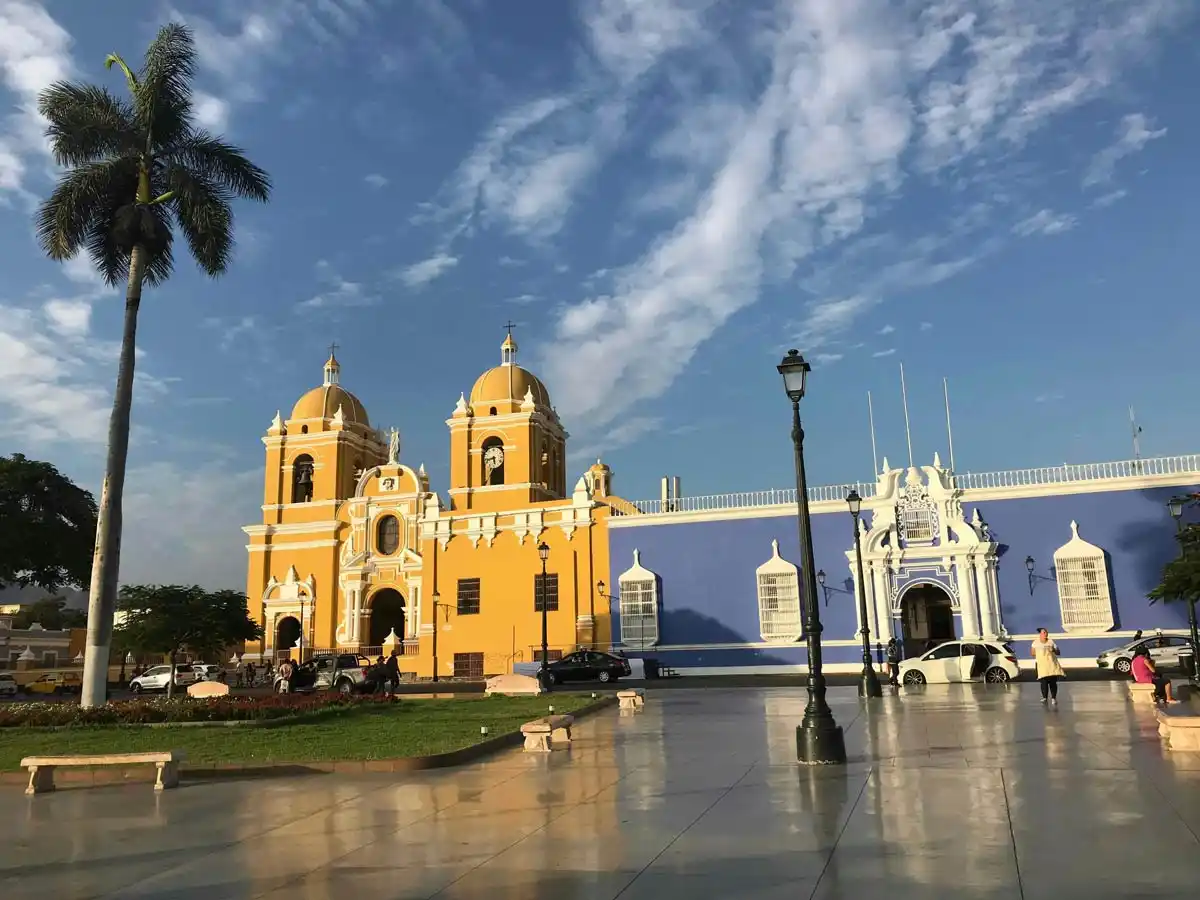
(356, 553)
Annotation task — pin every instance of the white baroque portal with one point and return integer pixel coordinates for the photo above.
(930, 574)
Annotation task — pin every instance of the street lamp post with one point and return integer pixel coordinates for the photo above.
(544, 673)
(868, 685)
(436, 600)
(819, 739)
(1175, 507)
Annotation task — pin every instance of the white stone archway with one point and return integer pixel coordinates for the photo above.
(918, 534)
(292, 597)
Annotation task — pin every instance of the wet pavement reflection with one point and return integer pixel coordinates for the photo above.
(971, 789)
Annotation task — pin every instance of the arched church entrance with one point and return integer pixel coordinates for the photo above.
(287, 632)
(926, 618)
(387, 613)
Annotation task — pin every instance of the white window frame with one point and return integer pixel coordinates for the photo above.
(780, 613)
(637, 605)
(1081, 573)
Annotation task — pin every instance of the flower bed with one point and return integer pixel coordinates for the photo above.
(162, 710)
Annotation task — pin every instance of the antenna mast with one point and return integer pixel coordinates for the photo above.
(949, 430)
(907, 429)
(874, 456)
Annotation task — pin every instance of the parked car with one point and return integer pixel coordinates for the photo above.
(588, 665)
(157, 677)
(207, 672)
(56, 683)
(1164, 650)
(8, 686)
(347, 673)
(962, 661)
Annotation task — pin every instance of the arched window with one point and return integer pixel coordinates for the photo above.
(387, 535)
(778, 599)
(492, 411)
(302, 479)
(1083, 596)
(492, 461)
(638, 605)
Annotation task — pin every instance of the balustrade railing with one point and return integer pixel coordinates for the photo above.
(1064, 474)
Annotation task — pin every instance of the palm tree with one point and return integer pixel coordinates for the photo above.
(135, 168)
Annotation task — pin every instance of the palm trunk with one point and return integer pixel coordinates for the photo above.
(106, 561)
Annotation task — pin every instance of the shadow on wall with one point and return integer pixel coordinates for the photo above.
(1149, 545)
(686, 626)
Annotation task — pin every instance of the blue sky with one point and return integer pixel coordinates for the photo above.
(664, 196)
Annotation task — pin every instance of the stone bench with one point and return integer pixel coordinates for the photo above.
(41, 768)
(547, 733)
(631, 698)
(1180, 728)
(1141, 693)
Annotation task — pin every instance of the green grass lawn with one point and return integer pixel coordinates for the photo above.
(404, 728)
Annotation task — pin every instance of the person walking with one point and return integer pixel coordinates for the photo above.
(893, 658)
(392, 668)
(1049, 669)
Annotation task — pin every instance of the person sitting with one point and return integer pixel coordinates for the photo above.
(1145, 672)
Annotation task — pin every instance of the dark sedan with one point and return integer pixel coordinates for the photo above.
(588, 665)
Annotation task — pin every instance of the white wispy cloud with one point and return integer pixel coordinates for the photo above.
(887, 329)
(1109, 199)
(422, 273)
(778, 153)
(927, 326)
(336, 292)
(880, 354)
(375, 180)
(1133, 134)
(1045, 221)
(211, 112)
(34, 53)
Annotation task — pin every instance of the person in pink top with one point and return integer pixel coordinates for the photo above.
(1145, 672)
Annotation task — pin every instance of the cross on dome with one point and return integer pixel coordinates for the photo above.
(508, 350)
(332, 369)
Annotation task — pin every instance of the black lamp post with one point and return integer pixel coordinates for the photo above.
(819, 739)
(436, 601)
(1034, 577)
(868, 685)
(1175, 507)
(544, 673)
(821, 581)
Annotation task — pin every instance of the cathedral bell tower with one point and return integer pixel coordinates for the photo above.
(507, 445)
(313, 456)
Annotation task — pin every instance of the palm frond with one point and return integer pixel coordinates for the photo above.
(164, 94)
(221, 164)
(104, 243)
(84, 199)
(203, 211)
(87, 123)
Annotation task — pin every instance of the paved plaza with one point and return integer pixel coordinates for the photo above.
(961, 791)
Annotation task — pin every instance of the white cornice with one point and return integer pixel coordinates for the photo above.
(275, 507)
(290, 545)
(292, 528)
(1098, 486)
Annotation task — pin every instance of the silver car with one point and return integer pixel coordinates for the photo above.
(1164, 650)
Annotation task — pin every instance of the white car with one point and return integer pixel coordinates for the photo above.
(8, 686)
(207, 672)
(155, 678)
(1164, 650)
(955, 662)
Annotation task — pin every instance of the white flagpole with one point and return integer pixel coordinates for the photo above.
(949, 430)
(874, 456)
(907, 429)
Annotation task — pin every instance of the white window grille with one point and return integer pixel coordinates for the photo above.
(638, 605)
(779, 615)
(919, 523)
(1082, 575)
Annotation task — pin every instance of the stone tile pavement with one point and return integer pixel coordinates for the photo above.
(966, 790)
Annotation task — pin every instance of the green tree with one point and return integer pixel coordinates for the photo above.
(1181, 576)
(47, 526)
(50, 612)
(136, 168)
(174, 618)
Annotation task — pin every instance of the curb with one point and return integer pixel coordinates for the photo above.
(206, 771)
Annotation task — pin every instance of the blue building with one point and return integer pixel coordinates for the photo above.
(710, 584)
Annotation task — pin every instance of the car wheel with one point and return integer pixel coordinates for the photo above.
(1123, 665)
(996, 675)
(345, 687)
(135, 688)
(604, 676)
(914, 676)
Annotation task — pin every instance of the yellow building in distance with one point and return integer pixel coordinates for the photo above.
(355, 552)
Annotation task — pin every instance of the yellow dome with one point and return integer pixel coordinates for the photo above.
(508, 382)
(323, 402)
